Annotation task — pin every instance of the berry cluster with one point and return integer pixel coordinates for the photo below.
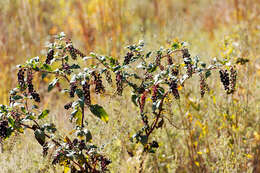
(175, 71)
(158, 61)
(86, 92)
(20, 76)
(68, 105)
(154, 93)
(66, 68)
(3, 129)
(104, 163)
(174, 89)
(73, 88)
(36, 96)
(49, 56)
(169, 59)
(119, 83)
(203, 85)
(144, 119)
(187, 61)
(99, 87)
(108, 77)
(128, 57)
(29, 81)
(224, 77)
(73, 51)
(233, 78)
(142, 101)
(151, 146)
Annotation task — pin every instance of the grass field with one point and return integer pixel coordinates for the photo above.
(222, 135)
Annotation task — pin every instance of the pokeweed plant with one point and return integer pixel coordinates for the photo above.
(153, 75)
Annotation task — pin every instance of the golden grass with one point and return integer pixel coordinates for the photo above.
(223, 134)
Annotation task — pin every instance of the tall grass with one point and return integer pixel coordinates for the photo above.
(223, 131)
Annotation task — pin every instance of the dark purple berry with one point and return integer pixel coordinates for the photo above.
(128, 57)
(49, 56)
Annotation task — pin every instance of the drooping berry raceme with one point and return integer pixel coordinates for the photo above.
(174, 88)
(224, 77)
(49, 56)
(187, 61)
(142, 100)
(3, 129)
(158, 61)
(108, 77)
(21, 82)
(99, 87)
(203, 85)
(104, 162)
(119, 83)
(154, 93)
(29, 81)
(86, 92)
(73, 87)
(71, 50)
(233, 78)
(128, 57)
(66, 68)
(34, 94)
(169, 59)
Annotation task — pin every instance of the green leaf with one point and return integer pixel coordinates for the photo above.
(40, 136)
(44, 75)
(43, 114)
(99, 111)
(17, 97)
(11, 122)
(208, 73)
(52, 84)
(79, 92)
(144, 139)
(78, 115)
(88, 135)
(46, 67)
(148, 54)
(134, 99)
(151, 68)
(74, 66)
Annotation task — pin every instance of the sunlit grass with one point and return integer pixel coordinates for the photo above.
(223, 134)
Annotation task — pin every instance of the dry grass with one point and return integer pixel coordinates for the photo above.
(223, 135)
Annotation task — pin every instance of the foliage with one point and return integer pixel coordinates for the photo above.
(154, 77)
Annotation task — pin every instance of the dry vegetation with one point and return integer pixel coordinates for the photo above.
(222, 132)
